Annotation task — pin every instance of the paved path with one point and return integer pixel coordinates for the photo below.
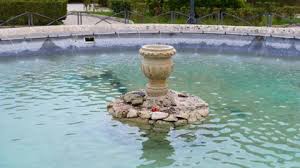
(80, 7)
(92, 20)
(89, 19)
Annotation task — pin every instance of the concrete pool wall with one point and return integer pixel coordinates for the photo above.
(253, 40)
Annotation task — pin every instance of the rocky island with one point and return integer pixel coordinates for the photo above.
(158, 105)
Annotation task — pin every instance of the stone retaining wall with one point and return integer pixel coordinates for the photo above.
(261, 40)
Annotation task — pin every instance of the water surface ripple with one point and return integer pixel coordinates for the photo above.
(53, 112)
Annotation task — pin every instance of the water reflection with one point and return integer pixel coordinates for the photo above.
(157, 150)
(96, 74)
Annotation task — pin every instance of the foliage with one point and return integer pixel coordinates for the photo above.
(277, 2)
(75, 1)
(120, 5)
(103, 2)
(255, 16)
(50, 8)
(221, 3)
(155, 6)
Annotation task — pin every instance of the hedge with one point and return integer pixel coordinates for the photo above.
(252, 15)
(75, 1)
(50, 8)
(120, 5)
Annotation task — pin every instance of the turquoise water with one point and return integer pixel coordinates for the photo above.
(53, 112)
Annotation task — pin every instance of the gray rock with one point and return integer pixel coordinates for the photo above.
(140, 93)
(147, 104)
(180, 122)
(203, 112)
(137, 101)
(120, 114)
(192, 117)
(171, 118)
(182, 114)
(166, 103)
(144, 114)
(159, 115)
(198, 115)
(170, 110)
(173, 101)
(120, 111)
(133, 113)
(110, 110)
(127, 98)
(110, 105)
(135, 98)
(174, 108)
(182, 95)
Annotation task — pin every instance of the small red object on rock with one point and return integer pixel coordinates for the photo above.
(155, 109)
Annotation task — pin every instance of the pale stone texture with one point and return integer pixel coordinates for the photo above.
(171, 118)
(182, 114)
(133, 113)
(159, 115)
(185, 109)
(53, 31)
(157, 66)
(192, 117)
(144, 114)
(14, 41)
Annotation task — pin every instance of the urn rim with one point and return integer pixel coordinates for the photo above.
(157, 47)
(157, 51)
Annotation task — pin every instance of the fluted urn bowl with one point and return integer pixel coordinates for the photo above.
(157, 66)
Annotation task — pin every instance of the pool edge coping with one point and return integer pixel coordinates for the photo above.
(86, 30)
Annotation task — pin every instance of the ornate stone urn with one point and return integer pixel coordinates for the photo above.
(157, 106)
(157, 66)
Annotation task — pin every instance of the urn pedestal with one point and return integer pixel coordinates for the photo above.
(157, 66)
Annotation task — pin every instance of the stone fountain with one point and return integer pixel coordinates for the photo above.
(158, 105)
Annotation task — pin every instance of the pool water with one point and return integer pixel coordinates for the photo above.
(53, 112)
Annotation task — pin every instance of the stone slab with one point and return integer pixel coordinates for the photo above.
(67, 30)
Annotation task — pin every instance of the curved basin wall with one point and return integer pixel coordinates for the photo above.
(258, 45)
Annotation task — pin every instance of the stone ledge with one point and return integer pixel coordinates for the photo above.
(56, 31)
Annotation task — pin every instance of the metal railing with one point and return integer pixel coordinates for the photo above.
(126, 17)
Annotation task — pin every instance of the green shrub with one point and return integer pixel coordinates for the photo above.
(251, 15)
(155, 7)
(139, 6)
(220, 3)
(288, 11)
(50, 8)
(255, 16)
(103, 2)
(120, 5)
(75, 1)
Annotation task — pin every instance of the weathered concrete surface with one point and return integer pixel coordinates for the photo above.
(250, 40)
(53, 31)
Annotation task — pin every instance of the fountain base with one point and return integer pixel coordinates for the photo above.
(172, 110)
